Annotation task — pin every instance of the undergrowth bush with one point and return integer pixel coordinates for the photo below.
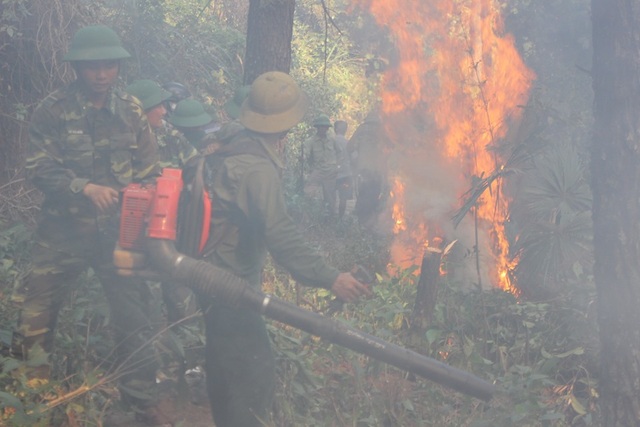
(84, 376)
(540, 355)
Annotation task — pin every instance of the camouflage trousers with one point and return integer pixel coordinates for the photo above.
(55, 268)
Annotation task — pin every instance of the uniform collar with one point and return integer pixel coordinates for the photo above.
(76, 88)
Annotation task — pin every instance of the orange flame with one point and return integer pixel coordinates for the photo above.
(399, 222)
(457, 87)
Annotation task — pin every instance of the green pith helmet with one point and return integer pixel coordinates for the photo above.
(189, 113)
(322, 120)
(95, 43)
(232, 106)
(148, 92)
(275, 104)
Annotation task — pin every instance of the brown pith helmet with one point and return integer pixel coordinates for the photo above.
(275, 103)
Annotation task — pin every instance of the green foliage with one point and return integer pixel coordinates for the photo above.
(183, 41)
(82, 356)
(329, 69)
(82, 345)
(329, 66)
(13, 11)
(534, 352)
(541, 355)
(553, 215)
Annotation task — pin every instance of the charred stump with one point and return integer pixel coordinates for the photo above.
(427, 289)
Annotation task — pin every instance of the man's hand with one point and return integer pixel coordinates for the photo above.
(347, 288)
(105, 199)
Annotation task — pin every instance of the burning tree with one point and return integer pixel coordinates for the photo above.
(448, 101)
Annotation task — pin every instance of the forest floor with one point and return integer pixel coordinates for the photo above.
(191, 407)
(187, 415)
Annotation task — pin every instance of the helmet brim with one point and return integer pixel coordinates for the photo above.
(190, 122)
(100, 54)
(274, 123)
(156, 99)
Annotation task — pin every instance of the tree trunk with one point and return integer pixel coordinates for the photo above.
(616, 210)
(269, 33)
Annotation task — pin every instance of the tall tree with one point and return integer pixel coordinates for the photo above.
(269, 33)
(615, 168)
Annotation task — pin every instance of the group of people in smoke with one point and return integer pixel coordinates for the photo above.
(352, 167)
(88, 140)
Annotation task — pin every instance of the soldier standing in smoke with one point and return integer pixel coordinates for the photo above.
(174, 151)
(249, 220)
(369, 142)
(194, 123)
(322, 155)
(87, 141)
(344, 181)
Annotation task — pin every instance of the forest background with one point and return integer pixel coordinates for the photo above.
(539, 345)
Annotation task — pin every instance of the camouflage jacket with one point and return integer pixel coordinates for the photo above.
(173, 148)
(71, 144)
(250, 217)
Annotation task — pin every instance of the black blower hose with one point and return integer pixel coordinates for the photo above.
(216, 282)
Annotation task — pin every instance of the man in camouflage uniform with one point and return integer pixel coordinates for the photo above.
(192, 121)
(174, 150)
(249, 218)
(322, 154)
(88, 141)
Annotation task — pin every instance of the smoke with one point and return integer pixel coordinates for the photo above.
(447, 102)
(433, 185)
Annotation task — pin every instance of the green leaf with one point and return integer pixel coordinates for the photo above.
(433, 335)
(7, 399)
(576, 405)
(576, 351)
(37, 356)
(406, 404)
(74, 408)
(9, 364)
